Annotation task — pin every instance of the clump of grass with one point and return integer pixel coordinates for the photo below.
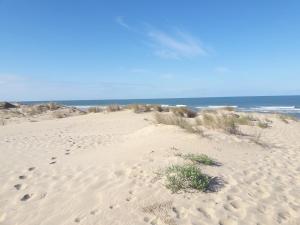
(141, 108)
(184, 112)
(262, 125)
(59, 114)
(245, 120)
(113, 108)
(199, 158)
(229, 108)
(95, 109)
(285, 118)
(177, 121)
(186, 178)
(208, 120)
(229, 125)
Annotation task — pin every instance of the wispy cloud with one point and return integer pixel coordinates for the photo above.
(175, 46)
(120, 20)
(168, 45)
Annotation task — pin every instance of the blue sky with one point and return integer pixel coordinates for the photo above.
(89, 49)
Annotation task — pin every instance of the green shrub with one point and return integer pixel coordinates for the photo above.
(199, 158)
(186, 177)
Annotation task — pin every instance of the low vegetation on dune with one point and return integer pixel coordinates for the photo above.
(287, 118)
(184, 112)
(226, 122)
(113, 108)
(262, 125)
(142, 108)
(170, 119)
(199, 159)
(95, 109)
(187, 177)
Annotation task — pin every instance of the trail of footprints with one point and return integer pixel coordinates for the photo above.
(53, 161)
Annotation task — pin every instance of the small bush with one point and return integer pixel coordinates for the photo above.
(186, 177)
(208, 120)
(285, 118)
(201, 159)
(184, 112)
(262, 125)
(245, 120)
(113, 108)
(229, 125)
(177, 121)
(95, 109)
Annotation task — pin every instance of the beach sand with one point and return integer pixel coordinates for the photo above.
(102, 169)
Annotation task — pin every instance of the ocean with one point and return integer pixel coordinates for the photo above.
(279, 104)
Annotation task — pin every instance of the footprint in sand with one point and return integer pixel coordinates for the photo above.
(31, 168)
(94, 212)
(22, 177)
(53, 158)
(25, 197)
(77, 220)
(52, 162)
(18, 186)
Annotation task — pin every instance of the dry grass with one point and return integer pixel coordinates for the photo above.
(286, 118)
(262, 125)
(95, 109)
(59, 114)
(177, 121)
(142, 108)
(184, 112)
(226, 122)
(113, 108)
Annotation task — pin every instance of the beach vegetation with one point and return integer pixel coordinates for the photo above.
(199, 159)
(184, 112)
(187, 177)
(169, 119)
(113, 108)
(95, 109)
(262, 125)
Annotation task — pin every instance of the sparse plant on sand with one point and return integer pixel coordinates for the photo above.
(177, 121)
(262, 125)
(95, 109)
(186, 177)
(199, 158)
(113, 108)
(286, 118)
(184, 112)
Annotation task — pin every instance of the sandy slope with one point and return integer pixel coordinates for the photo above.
(101, 169)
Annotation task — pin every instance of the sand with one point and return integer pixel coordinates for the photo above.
(102, 169)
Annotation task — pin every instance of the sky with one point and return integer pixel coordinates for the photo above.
(94, 49)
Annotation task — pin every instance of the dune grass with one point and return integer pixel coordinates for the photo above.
(199, 159)
(286, 118)
(113, 108)
(184, 112)
(262, 125)
(168, 119)
(186, 177)
(95, 109)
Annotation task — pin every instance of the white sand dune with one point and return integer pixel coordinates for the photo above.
(101, 169)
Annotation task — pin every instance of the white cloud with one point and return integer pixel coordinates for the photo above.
(121, 22)
(175, 46)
